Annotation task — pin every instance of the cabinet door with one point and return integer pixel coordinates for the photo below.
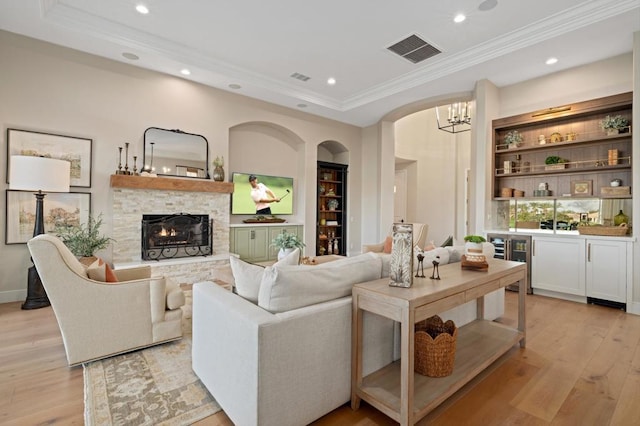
(558, 265)
(607, 270)
(251, 243)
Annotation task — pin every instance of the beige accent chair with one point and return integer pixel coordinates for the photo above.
(97, 319)
(420, 231)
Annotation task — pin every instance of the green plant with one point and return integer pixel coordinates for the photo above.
(332, 204)
(513, 137)
(554, 159)
(475, 239)
(84, 241)
(285, 240)
(614, 123)
(218, 162)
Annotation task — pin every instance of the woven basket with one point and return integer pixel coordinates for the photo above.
(435, 347)
(615, 231)
(506, 192)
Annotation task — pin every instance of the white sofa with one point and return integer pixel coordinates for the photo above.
(286, 360)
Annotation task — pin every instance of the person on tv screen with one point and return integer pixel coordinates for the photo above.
(262, 196)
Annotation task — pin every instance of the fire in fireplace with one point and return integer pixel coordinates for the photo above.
(176, 235)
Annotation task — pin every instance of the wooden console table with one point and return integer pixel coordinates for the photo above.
(396, 390)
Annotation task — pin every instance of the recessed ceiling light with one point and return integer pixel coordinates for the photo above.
(551, 61)
(459, 18)
(141, 8)
(185, 71)
(302, 105)
(131, 56)
(487, 5)
(331, 81)
(235, 86)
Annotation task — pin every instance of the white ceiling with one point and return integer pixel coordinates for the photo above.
(259, 44)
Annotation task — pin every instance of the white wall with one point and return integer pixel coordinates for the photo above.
(57, 90)
(437, 189)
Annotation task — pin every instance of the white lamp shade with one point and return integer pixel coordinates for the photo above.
(28, 173)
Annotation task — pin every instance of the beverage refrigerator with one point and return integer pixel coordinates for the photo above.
(514, 247)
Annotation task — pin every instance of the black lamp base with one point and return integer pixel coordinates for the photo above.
(36, 296)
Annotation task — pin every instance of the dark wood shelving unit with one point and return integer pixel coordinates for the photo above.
(578, 139)
(331, 224)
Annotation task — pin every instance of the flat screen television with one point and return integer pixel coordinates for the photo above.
(242, 203)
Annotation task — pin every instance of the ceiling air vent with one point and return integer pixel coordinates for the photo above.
(299, 76)
(414, 49)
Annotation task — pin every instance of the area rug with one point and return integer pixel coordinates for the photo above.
(154, 386)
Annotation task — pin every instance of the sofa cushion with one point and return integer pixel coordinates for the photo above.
(285, 288)
(101, 271)
(247, 276)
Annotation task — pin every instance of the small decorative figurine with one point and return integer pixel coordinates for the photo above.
(436, 273)
(420, 269)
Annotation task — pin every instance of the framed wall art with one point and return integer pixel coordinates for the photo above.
(401, 268)
(76, 150)
(61, 209)
(581, 187)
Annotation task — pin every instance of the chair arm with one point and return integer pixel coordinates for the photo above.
(375, 248)
(137, 273)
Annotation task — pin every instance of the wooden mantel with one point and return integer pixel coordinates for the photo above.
(170, 184)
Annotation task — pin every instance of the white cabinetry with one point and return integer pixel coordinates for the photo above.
(557, 264)
(607, 270)
(582, 269)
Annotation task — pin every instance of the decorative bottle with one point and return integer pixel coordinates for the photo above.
(336, 249)
(620, 218)
(329, 248)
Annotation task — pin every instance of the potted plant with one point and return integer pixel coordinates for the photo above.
(513, 139)
(218, 169)
(614, 124)
(473, 244)
(332, 204)
(553, 162)
(84, 241)
(286, 242)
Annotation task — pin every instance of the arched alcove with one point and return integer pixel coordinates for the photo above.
(266, 148)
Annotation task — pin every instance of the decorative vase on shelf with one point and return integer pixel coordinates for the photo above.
(336, 249)
(218, 173)
(620, 218)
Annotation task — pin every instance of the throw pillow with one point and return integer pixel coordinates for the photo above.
(248, 276)
(388, 243)
(101, 271)
(285, 288)
(429, 246)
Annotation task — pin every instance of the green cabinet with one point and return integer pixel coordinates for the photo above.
(253, 243)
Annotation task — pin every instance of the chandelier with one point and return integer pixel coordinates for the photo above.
(458, 118)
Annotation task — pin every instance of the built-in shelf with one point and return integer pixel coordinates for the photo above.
(170, 184)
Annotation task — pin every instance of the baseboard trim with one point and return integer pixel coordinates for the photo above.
(558, 295)
(13, 296)
(633, 308)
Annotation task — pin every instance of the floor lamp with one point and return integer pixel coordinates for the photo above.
(43, 175)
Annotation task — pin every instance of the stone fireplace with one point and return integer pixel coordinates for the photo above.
(135, 196)
(168, 236)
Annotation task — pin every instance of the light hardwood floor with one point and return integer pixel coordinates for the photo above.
(581, 366)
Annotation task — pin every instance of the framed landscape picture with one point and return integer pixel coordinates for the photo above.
(61, 209)
(70, 148)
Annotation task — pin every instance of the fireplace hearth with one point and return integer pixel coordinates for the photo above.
(176, 235)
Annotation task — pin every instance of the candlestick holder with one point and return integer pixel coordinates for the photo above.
(126, 159)
(135, 169)
(120, 171)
